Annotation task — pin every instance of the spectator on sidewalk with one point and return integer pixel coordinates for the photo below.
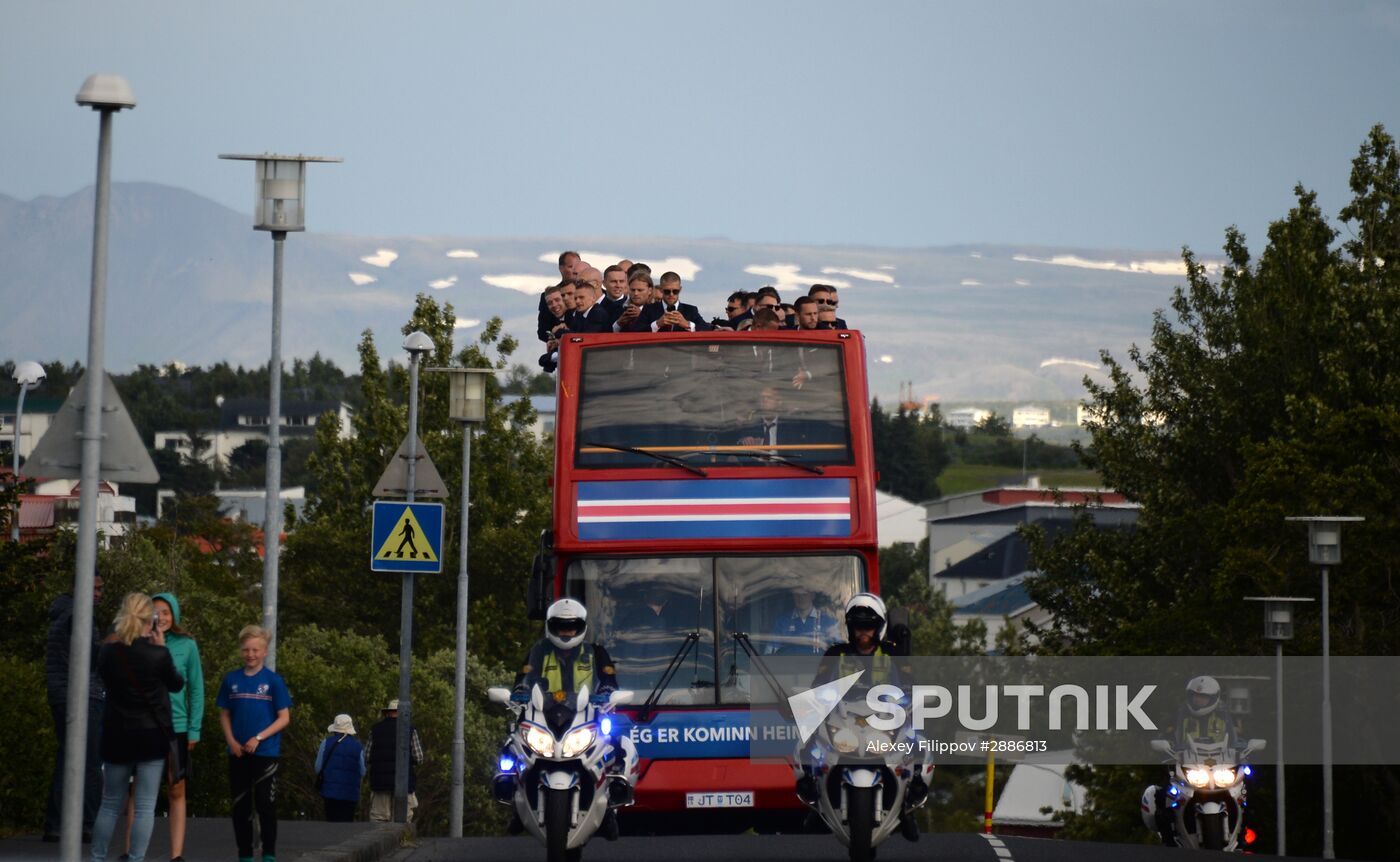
(56, 676)
(254, 708)
(136, 731)
(379, 754)
(340, 768)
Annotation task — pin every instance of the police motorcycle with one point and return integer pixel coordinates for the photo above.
(864, 783)
(565, 766)
(1205, 797)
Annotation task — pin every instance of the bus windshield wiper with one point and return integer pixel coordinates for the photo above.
(676, 661)
(776, 458)
(668, 459)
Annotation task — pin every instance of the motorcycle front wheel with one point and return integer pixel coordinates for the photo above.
(558, 818)
(860, 821)
(1213, 831)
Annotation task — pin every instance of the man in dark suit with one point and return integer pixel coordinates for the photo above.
(670, 314)
(589, 315)
(737, 310)
(770, 424)
(568, 261)
(614, 300)
(552, 319)
(825, 295)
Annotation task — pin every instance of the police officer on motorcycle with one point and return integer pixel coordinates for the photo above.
(561, 661)
(1201, 715)
(865, 648)
(563, 664)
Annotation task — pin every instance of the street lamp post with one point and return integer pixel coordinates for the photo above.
(417, 344)
(106, 94)
(28, 375)
(1278, 627)
(1325, 550)
(467, 405)
(279, 206)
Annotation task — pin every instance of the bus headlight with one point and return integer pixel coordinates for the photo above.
(577, 741)
(539, 741)
(1197, 777)
(1223, 776)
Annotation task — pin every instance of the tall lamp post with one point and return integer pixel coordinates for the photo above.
(418, 344)
(106, 94)
(279, 206)
(467, 405)
(1325, 550)
(1278, 627)
(28, 374)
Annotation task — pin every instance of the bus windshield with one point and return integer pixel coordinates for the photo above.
(734, 402)
(641, 610)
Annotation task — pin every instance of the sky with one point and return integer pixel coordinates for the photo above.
(1127, 125)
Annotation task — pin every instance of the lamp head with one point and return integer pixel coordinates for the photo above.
(29, 374)
(103, 92)
(418, 343)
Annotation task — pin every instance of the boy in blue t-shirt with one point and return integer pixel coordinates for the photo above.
(254, 708)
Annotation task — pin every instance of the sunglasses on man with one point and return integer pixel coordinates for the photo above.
(670, 291)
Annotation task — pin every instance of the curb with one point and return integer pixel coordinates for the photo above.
(370, 846)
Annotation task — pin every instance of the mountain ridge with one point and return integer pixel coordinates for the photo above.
(190, 281)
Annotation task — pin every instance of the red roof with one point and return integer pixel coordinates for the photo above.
(1074, 497)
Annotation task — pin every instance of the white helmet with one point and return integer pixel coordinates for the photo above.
(566, 615)
(1205, 690)
(868, 609)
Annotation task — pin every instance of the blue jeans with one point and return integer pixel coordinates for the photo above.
(116, 777)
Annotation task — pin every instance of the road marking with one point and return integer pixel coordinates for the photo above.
(996, 844)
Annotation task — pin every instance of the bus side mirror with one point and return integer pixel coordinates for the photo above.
(539, 592)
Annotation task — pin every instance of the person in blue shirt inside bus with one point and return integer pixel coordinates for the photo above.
(805, 630)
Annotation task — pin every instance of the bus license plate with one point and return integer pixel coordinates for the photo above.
(733, 799)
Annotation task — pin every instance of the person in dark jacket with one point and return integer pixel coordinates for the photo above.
(136, 727)
(56, 676)
(670, 314)
(340, 767)
(379, 754)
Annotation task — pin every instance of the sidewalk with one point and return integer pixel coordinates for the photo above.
(210, 839)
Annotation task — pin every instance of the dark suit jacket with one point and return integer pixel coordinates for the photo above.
(614, 308)
(653, 312)
(596, 319)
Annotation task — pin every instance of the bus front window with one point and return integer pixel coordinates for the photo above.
(641, 611)
(733, 403)
(785, 606)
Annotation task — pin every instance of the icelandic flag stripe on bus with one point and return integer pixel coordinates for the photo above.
(714, 509)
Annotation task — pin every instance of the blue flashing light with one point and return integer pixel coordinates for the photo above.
(606, 726)
(1175, 803)
(1247, 770)
(507, 763)
(1174, 790)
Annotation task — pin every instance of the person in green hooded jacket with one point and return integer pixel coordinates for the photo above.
(186, 709)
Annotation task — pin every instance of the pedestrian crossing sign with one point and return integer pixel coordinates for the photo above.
(406, 537)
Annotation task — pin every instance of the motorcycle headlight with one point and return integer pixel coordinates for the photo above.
(540, 741)
(845, 741)
(1223, 776)
(577, 741)
(1197, 777)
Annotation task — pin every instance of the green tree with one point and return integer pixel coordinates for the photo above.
(1272, 389)
(910, 451)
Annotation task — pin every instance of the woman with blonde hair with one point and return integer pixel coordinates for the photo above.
(139, 675)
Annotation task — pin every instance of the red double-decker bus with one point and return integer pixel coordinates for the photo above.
(713, 501)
